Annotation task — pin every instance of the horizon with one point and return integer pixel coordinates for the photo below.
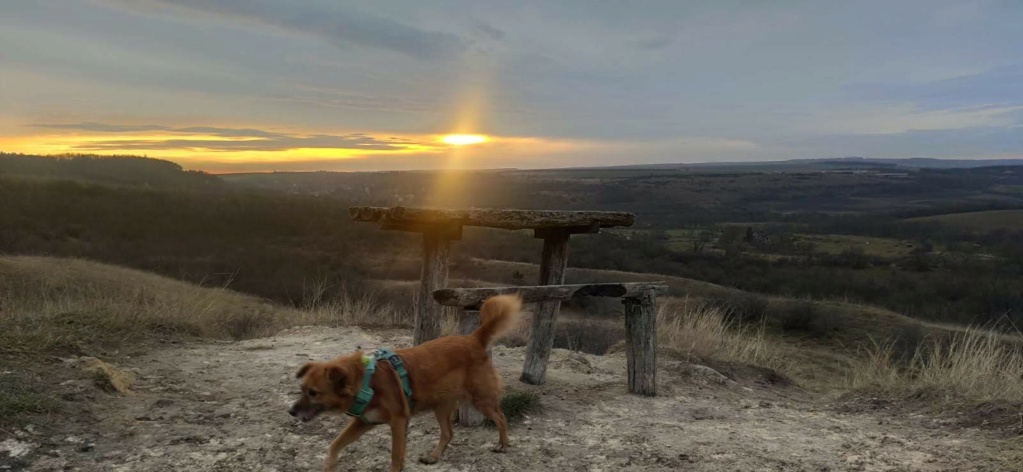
(654, 166)
(232, 86)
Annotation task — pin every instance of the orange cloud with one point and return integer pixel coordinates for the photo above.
(225, 148)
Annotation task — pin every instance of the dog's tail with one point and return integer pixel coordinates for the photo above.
(497, 316)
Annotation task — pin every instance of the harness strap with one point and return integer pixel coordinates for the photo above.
(365, 394)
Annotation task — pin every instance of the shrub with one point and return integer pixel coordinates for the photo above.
(807, 318)
(744, 307)
(797, 318)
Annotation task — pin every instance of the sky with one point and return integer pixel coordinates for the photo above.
(261, 85)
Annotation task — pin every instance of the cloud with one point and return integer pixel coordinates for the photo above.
(993, 85)
(791, 79)
(893, 119)
(335, 23)
(655, 43)
(971, 143)
(229, 132)
(100, 127)
(487, 30)
(235, 139)
(289, 143)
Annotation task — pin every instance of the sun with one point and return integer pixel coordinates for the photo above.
(463, 139)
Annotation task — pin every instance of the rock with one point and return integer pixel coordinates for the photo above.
(577, 362)
(706, 375)
(16, 448)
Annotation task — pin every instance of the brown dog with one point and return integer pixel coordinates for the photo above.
(441, 372)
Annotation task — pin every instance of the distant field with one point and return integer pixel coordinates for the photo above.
(682, 240)
(837, 243)
(979, 220)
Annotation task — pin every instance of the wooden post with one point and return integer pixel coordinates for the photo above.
(436, 251)
(468, 321)
(541, 338)
(641, 343)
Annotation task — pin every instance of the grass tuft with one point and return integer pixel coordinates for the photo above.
(23, 393)
(972, 366)
(704, 331)
(518, 404)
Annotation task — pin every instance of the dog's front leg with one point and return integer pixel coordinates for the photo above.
(399, 432)
(351, 432)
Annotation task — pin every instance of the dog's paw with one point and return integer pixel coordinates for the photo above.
(499, 448)
(427, 459)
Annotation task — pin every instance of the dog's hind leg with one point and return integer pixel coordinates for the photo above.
(353, 431)
(443, 412)
(399, 432)
(490, 407)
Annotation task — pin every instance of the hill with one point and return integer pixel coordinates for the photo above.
(763, 233)
(836, 164)
(980, 221)
(65, 305)
(216, 237)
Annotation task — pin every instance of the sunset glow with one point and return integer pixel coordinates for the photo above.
(307, 85)
(463, 139)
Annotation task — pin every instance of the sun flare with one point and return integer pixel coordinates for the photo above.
(463, 139)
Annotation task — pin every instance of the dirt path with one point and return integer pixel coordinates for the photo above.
(221, 406)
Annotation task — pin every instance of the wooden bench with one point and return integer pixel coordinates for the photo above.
(440, 226)
(640, 326)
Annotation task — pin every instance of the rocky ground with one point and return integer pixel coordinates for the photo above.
(222, 407)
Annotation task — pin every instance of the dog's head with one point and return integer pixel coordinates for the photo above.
(326, 387)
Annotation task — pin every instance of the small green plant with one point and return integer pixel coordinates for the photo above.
(21, 395)
(516, 405)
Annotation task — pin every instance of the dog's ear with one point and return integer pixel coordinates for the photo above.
(338, 377)
(302, 370)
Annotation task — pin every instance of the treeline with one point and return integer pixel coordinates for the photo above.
(271, 245)
(941, 287)
(152, 215)
(121, 170)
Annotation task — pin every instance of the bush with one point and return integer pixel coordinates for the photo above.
(907, 342)
(744, 307)
(798, 318)
(806, 317)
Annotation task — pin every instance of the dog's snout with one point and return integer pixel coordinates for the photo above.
(292, 411)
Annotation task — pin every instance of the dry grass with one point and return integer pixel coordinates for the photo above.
(344, 309)
(70, 307)
(52, 305)
(704, 331)
(107, 376)
(974, 365)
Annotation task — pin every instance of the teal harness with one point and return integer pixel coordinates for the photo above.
(369, 362)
